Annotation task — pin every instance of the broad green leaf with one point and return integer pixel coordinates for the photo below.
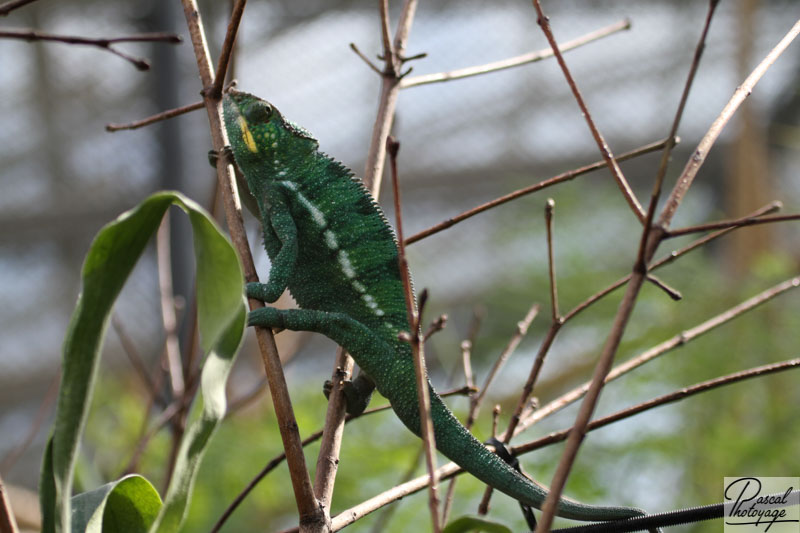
(108, 263)
(128, 505)
(474, 523)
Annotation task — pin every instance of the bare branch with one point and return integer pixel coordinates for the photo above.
(707, 142)
(417, 344)
(560, 178)
(605, 150)
(524, 59)
(735, 223)
(664, 347)
(102, 42)
(665, 156)
(680, 394)
(365, 59)
(164, 115)
(227, 47)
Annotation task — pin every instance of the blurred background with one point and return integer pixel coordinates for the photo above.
(62, 176)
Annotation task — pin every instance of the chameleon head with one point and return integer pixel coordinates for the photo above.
(256, 129)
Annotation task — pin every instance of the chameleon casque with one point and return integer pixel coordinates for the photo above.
(331, 246)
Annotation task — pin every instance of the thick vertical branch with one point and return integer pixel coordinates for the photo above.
(328, 459)
(308, 509)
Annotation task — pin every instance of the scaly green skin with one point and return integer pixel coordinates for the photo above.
(331, 246)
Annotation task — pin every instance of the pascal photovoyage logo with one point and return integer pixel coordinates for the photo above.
(763, 504)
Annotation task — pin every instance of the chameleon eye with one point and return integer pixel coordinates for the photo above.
(260, 112)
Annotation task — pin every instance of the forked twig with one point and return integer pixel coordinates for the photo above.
(670, 344)
(104, 43)
(605, 150)
(625, 309)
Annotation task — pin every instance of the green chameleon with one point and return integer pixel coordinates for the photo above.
(331, 246)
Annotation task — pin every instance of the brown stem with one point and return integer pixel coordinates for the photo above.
(560, 178)
(675, 396)
(698, 158)
(417, 344)
(164, 115)
(735, 223)
(102, 42)
(662, 348)
(665, 155)
(328, 459)
(308, 509)
(227, 47)
(511, 62)
(613, 166)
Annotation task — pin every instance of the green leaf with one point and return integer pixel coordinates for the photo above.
(474, 523)
(108, 263)
(128, 505)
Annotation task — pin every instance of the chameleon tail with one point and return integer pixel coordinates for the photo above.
(460, 446)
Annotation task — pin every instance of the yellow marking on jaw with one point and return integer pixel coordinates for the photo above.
(247, 137)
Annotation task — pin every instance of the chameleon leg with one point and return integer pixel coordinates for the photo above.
(279, 219)
(373, 354)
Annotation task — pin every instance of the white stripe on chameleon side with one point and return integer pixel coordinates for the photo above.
(331, 242)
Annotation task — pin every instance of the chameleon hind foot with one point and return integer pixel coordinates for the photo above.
(357, 392)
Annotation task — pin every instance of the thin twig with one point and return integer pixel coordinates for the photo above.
(519, 334)
(308, 509)
(164, 115)
(551, 266)
(698, 158)
(560, 178)
(11, 5)
(735, 223)
(673, 293)
(365, 59)
(662, 348)
(390, 87)
(625, 309)
(675, 396)
(665, 156)
(227, 47)
(524, 59)
(166, 416)
(667, 259)
(417, 344)
(605, 150)
(100, 42)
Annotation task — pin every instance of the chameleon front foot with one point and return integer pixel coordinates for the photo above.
(263, 292)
